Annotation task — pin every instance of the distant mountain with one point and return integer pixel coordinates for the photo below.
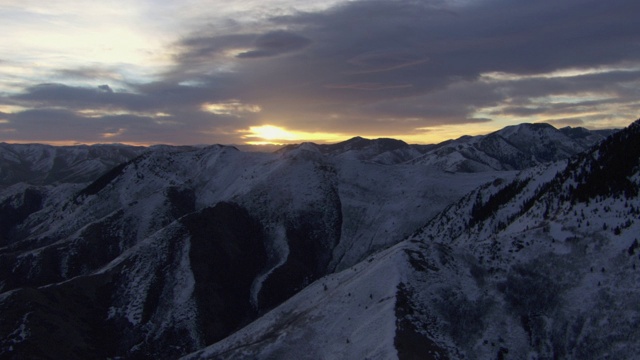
(513, 148)
(545, 265)
(321, 251)
(380, 151)
(39, 164)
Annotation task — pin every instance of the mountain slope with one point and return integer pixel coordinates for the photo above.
(559, 255)
(149, 238)
(546, 265)
(300, 253)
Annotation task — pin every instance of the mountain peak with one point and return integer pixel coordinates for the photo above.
(359, 143)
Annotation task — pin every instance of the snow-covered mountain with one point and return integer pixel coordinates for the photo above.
(39, 164)
(380, 151)
(515, 147)
(158, 248)
(544, 265)
(181, 247)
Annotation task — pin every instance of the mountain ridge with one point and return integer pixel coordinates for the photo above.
(40, 164)
(532, 279)
(302, 234)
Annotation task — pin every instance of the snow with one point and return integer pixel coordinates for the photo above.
(277, 252)
(379, 203)
(559, 233)
(383, 204)
(184, 281)
(43, 164)
(345, 315)
(21, 333)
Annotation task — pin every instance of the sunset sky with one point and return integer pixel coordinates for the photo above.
(281, 71)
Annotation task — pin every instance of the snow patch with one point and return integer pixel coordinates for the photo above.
(277, 252)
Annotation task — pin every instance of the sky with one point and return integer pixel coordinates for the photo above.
(281, 71)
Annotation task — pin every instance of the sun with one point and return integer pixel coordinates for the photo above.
(271, 134)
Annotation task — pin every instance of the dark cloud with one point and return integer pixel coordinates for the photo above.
(152, 97)
(385, 61)
(611, 94)
(72, 97)
(105, 88)
(553, 109)
(52, 125)
(206, 49)
(382, 55)
(378, 66)
(368, 86)
(64, 125)
(275, 43)
(618, 83)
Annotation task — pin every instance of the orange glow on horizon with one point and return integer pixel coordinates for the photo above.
(276, 135)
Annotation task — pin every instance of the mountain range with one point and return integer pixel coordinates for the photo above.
(517, 244)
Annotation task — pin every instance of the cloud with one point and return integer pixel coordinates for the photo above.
(105, 88)
(405, 50)
(88, 73)
(76, 98)
(275, 43)
(371, 68)
(388, 60)
(63, 125)
(205, 48)
(368, 86)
